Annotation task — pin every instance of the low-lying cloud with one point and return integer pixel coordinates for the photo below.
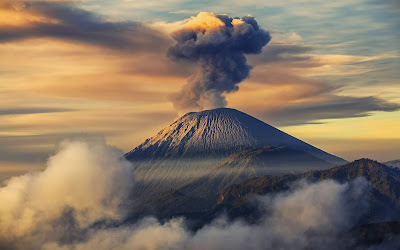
(83, 183)
(84, 192)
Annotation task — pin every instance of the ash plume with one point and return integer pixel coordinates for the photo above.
(217, 44)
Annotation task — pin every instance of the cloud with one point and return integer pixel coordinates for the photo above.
(63, 20)
(308, 216)
(82, 184)
(329, 107)
(29, 110)
(148, 234)
(217, 44)
(285, 52)
(35, 149)
(305, 88)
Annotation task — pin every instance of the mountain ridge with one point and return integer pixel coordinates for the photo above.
(384, 180)
(237, 200)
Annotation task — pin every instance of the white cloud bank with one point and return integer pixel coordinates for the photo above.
(90, 180)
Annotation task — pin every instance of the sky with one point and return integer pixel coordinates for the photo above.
(329, 74)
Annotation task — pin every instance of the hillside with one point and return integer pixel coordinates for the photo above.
(384, 195)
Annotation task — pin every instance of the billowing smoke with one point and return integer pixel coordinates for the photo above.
(217, 44)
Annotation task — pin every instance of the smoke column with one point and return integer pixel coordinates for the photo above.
(217, 44)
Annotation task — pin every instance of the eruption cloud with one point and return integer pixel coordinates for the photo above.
(217, 44)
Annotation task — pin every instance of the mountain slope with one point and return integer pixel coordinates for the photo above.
(189, 149)
(220, 131)
(248, 164)
(384, 196)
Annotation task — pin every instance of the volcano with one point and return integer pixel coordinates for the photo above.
(219, 132)
(220, 142)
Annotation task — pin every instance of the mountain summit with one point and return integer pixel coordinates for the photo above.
(219, 132)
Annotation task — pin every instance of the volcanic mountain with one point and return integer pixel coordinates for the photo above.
(219, 132)
(223, 142)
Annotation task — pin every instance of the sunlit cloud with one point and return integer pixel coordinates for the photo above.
(63, 20)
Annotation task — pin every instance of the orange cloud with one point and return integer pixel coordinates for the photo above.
(13, 14)
(204, 21)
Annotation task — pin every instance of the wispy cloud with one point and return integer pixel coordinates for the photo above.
(329, 107)
(63, 20)
(30, 110)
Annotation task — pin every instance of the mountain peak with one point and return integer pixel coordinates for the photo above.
(364, 163)
(219, 132)
(216, 110)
